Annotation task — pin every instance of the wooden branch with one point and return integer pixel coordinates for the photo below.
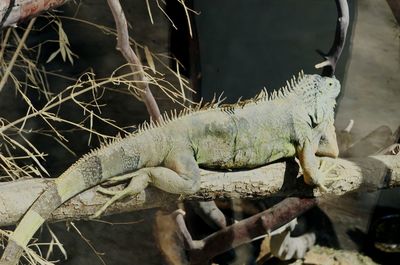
(332, 57)
(278, 179)
(14, 11)
(123, 45)
(202, 251)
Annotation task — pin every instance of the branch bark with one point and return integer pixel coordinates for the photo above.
(14, 11)
(200, 252)
(364, 174)
(123, 45)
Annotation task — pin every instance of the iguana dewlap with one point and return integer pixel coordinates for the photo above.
(293, 121)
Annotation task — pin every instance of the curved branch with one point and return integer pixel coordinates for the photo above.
(332, 57)
(123, 45)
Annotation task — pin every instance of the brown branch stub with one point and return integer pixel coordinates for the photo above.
(14, 11)
(331, 58)
(123, 45)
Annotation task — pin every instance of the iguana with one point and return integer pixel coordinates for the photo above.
(296, 120)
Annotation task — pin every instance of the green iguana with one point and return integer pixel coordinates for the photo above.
(297, 120)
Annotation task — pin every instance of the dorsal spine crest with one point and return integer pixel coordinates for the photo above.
(215, 104)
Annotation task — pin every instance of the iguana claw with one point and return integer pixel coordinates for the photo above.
(117, 195)
(137, 184)
(324, 170)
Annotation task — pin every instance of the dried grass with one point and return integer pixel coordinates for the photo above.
(19, 155)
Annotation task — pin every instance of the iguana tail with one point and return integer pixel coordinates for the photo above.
(86, 173)
(66, 186)
(30, 223)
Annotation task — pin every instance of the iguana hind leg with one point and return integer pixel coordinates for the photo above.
(180, 175)
(139, 181)
(115, 180)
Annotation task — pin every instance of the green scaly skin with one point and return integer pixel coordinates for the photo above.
(296, 121)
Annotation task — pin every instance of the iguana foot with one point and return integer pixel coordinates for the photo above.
(118, 179)
(116, 196)
(326, 168)
(325, 175)
(139, 181)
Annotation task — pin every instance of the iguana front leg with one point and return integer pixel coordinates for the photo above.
(310, 164)
(315, 173)
(328, 145)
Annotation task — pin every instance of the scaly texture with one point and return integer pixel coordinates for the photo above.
(296, 120)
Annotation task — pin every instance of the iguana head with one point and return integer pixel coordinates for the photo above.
(330, 86)
(320, 93)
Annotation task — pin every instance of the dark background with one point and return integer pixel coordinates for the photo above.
(239, 47)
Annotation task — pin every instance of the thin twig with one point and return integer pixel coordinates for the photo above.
(16, 54)
(97, 253)
(135, 64)
(55, 102)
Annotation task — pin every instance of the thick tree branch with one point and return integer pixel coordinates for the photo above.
(123, 45)
(13, 11)
(332, 57)
(368, 173)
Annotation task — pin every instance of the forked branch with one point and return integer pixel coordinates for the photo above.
(331, 58)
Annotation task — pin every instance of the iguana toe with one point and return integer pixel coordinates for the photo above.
(117, 195)
(326, 175)
(107, 191)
